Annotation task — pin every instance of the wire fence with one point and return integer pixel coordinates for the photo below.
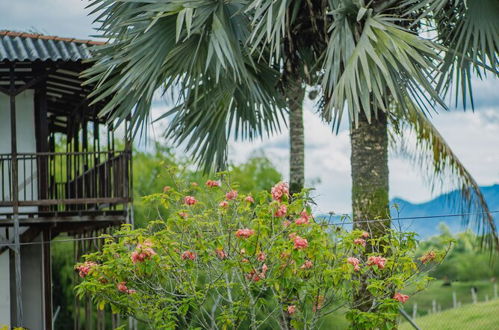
(467, 305)
(346, 221)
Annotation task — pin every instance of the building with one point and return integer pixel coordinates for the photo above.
(63, 168)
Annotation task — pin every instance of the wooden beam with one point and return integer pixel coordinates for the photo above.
(42, 135)
(4, 90)
(107, 200)
(77, 220)
(15, 203)
(36, 80)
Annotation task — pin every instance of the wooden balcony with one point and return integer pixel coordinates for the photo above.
(58, 185)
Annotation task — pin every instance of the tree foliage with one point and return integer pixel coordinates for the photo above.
(465, 261)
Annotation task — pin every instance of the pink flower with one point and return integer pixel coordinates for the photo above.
(212, 183)
(279, 190)
(183, 215)
(188, 255)
(244, 233)
(291, 309)
(300, 243)
(85, 268)
(359, 241)
(131, 291)
(136, 257)
(231, 194)
(166, 189)
(261, 256)
(122, 287)
(307, 265)
(221, 253)
(354, 262)
(303, 219)
(376, 261)
(189, 200)
(249, 199)
(223, 204)
(281, 211)
(194, 184)
(142, 252)
(428, 256)
(401, 297)
(364, 234)
(286, 223)
(255, 276)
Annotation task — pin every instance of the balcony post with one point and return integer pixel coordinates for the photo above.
(42, 133)
(15, 200)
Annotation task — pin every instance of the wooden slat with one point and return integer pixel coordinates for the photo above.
(106, 200)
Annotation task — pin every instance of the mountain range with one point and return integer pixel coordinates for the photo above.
(445, 204)
(438, 210)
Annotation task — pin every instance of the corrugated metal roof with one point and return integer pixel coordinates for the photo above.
(17, 46)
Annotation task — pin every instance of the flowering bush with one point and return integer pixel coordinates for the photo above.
(225, 259)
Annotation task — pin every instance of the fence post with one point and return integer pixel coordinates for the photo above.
(486, 297)
(454, 299)
(414, 310)
(406, 316)
(495, 290)
(473, 295)
(434, 306)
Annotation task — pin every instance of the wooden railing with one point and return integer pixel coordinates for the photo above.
(67, 181)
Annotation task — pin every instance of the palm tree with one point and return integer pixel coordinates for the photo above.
(223, 62)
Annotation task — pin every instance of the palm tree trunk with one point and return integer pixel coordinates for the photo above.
(295, 94)
(369, 161)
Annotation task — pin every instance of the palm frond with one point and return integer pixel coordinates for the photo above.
(270, 20)
(434, 154)
(195, 47)
(384, 64)
(208, 116)
(469, 30)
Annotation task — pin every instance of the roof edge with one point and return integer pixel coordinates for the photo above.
(9, 33)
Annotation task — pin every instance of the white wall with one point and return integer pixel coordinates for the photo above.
(32, 284)
(25, 115)
(4, 288)
(26, 142)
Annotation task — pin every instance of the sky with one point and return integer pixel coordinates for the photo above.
(474, 136)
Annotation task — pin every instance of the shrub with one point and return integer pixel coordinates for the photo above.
(224, 259)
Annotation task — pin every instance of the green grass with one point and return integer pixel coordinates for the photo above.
(335, 321)
(443, 295)
(484, 316)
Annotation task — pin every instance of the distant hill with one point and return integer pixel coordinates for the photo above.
(442, 205)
